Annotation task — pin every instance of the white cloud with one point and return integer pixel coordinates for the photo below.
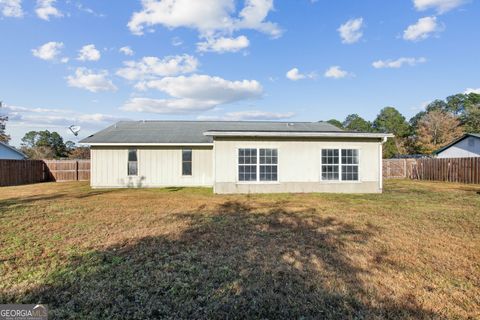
(48, 51)
(151, 67)
(91, 81)
(350, 31)
(249, 115)
(472, 90)
(193, 93)
(295, 75)
(441, 6)
(379, 64)
(45, 9)
(11, 8)
(127, 51)
(56, 117)
(209, 17)
(422, 29)
(176, 41)
(336, 72)
(89, 53)
(223, 44)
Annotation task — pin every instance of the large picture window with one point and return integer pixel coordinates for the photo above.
(340, 164)
(187, 162)
(257, 164)
(132, 162)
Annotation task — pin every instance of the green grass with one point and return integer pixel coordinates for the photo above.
(411, 252)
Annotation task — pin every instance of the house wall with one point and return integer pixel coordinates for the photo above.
(157, 167)
(7, 153)
(299, 167)
(466, 148)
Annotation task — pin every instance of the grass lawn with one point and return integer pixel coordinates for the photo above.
(411, 252)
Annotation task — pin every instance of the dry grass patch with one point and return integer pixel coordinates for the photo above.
(412, 252)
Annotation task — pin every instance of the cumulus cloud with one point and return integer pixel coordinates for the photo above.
(398, 63)
(209, 17)
(152, 67)
(126, 51)
(91, 81)
(336, 72)
(249, 115)
(45, 9)
(48, 51)
(472, 90)
(441, 6)
(89, 53)
(223, 44)
(193, 93)
(295, 75)
(11, 8)
(351, 31)
(422, 29)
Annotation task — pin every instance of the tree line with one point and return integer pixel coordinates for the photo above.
(440, 123)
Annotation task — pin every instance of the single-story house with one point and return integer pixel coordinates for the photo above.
(237, 156)
(7, 152)
(466, 146)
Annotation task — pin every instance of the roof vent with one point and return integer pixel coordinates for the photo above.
(290, 124)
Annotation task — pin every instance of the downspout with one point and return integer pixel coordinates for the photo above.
(380, 161)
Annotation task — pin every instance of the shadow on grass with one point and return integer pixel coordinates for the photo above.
(235, 263)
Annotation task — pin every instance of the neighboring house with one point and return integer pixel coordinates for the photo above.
(237, 157)
(465, 147)
(10, 153)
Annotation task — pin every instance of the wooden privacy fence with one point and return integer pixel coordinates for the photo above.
(17, 172)
(68, 170)
(462, 170)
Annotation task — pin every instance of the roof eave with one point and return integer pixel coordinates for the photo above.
(339, 134)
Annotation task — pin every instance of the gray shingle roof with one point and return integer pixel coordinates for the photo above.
(192, 131)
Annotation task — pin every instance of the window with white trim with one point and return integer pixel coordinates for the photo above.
(132, 162)
(186, 162)
(257, 164)
(340, 164)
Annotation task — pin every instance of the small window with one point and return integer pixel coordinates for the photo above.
(268, 165)
(132, 162)
(187, 162)
(247, 164)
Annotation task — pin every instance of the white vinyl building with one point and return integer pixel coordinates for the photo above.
(466, 146)
(8, 152)
(237, 157)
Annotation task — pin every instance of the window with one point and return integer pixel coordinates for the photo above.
(349, 165)
(187, 162)
(132, 162)
(247, 164)
(257, 165)
(330, 164)
(340, 164)
(268, 164)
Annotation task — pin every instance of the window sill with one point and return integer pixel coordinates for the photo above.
(339, 181)
(257, 182)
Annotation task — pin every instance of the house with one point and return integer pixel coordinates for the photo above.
(8, 152)
(237, 157)
(466, 146)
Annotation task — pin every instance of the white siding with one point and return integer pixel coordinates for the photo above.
(7, 153)
(157, 167)
(299, 167)
(466, 148)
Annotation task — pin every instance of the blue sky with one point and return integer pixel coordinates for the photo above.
(298, 60)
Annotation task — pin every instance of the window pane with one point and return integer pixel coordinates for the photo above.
(132, 168)
(350, 173)
(349, 156)
(132, 155)
(268, 173)
(247, 173)
(187, 155)
(187, 162)
(330, 172)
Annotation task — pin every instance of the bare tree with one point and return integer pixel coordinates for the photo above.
(437, 129)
